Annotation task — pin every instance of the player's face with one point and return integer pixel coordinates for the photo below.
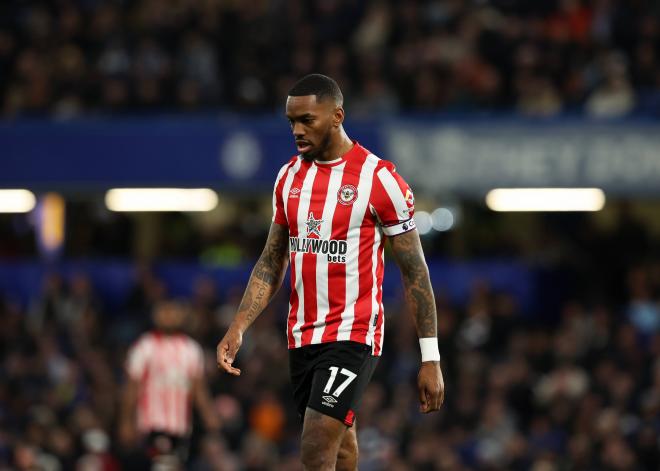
(312, 123)
(169, 317)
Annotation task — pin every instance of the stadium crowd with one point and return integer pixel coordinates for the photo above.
(580, 392)
(575, 386)
(65, 58)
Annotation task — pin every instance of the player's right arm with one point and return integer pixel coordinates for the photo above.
(127, 420)
(265, 280)
(136, 364)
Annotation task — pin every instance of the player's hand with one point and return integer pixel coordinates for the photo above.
(227, 349)
(431, 386)
(128, 436)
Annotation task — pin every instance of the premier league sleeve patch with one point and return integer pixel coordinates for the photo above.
(399, 228)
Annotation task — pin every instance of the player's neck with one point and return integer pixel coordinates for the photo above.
(337, 149)
(167, 332)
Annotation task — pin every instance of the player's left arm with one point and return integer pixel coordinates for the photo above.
(408, 253)
(136, 361)
(202, 400)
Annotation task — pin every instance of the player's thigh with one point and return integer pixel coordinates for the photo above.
(322, 434)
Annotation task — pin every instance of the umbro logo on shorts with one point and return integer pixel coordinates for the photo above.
(329, 401)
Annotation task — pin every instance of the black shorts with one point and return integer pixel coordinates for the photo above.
(331, 377)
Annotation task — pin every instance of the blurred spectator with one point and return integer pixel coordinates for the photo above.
(615, 95)
(165, 378)
(97, 457)
(539, 58)
(580, 393)
(214, 456)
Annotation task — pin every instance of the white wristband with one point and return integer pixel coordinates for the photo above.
(429, 348)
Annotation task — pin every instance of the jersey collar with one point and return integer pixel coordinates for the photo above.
(331, 163)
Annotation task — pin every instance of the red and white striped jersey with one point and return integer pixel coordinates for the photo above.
(165, 367)
(337, 214)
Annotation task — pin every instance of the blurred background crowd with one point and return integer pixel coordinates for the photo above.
(549, 323)
(578, 392)
(68, 57)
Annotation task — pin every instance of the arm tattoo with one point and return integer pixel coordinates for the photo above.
(408, 253)
(267, 275)
(269, 266)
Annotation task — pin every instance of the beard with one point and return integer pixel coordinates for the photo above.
(318, 152)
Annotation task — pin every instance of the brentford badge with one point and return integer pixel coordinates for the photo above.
(347, 195)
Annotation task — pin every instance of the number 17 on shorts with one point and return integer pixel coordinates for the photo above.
(330, 397)
(331, 377)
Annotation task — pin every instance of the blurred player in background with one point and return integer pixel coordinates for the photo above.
(165, 369)
(333, 204)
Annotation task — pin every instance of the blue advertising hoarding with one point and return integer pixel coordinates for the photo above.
(465, 156)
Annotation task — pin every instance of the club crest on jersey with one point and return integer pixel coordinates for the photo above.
(347, 195)
(313, 226)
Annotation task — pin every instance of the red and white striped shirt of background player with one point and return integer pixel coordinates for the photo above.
(357, 198)
(165, 367)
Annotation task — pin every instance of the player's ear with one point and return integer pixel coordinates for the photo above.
(338, 117)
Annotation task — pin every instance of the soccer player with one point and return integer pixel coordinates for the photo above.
(334, 204)
(165, 371)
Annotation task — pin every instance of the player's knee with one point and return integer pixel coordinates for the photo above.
(347, 458)
(315, 455)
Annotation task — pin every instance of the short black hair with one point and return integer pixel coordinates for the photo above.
(320, 85)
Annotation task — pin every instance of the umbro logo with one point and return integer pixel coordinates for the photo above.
(329, 401)
(294, 192)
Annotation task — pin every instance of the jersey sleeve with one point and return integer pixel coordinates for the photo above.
(392, 201)
(136, 360)
(279, 216)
